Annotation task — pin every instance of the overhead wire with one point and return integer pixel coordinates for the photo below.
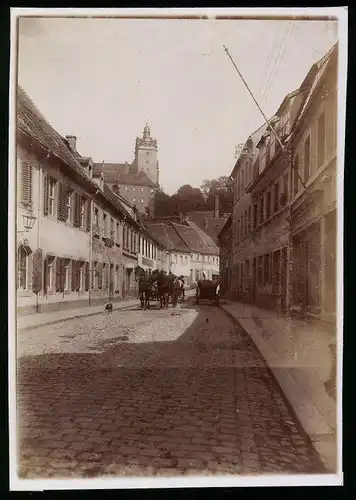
(275, 57)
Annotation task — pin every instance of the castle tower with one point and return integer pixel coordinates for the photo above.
(146, 155)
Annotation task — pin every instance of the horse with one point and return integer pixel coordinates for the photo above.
(167, 286)
(145, 284)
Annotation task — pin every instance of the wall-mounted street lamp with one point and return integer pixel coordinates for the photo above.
(29, 220)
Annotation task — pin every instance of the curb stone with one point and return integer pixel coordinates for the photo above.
(286, 401)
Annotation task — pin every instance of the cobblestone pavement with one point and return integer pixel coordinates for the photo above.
(172, 392)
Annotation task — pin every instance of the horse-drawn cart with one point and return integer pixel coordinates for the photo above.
(207, 290)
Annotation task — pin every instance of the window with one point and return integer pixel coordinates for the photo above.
(22, 268)
(266, 270)
(124, 237)
(126, 188)
(247, 268)
(117, 233)
(68, 204)
(96, 217)
(105, 224)
(142, 189)
(306, 159)
(134, 189)
(295, 175)
(66, 263)
(268, 153)
(83, 208)
(276, 197)
(100, 275)
(26, 183)
(133, 199)
(255, 214)
(181, 259)
(48, 273)
(62, 274)
(262, 201)
(49, 195)
(284, 197)
(260, 271)
(77, 275)
(186, 259)
(268, 205)
(141, 200)
(111, 228)
(152, 191)
(321, 139)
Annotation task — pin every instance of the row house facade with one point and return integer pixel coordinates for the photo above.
(84, 244)
(226, 246)
(313, 201)
(283, 227)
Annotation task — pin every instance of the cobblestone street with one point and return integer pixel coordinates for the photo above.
(177, 391)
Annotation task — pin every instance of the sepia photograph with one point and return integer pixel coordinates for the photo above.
(176, 247)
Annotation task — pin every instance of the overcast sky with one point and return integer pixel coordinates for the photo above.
(101, 79)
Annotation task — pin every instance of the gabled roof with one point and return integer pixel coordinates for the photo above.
(206, 221)
(255, 138)
(194, 240)
(206, 239)
(322, 66)
(226, 226)
(119, 173)
(167, 236)
(31, 121)
(111, 167)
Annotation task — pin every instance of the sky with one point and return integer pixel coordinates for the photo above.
(102, 79)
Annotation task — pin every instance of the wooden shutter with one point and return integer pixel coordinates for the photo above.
(26, 183)
(74, 275)
(59, 272)
(45, 193)
(62, 208)
(77, 200)
(37, 264)
(88, 214)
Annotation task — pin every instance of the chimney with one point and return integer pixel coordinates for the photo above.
(217, 210)
(72, 141)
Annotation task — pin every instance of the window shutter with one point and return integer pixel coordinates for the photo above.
(58, 274)
(62, 209)
(88, 214)
(26, 183)
(76, 220)
(37, 271)
(45, 193)
(74, 275)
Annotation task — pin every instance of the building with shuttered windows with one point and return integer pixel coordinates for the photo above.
(83, 246)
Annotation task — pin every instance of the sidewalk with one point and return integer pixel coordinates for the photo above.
(30, 321)
(298, 354)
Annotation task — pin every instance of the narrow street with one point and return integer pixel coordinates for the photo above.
(177, 391)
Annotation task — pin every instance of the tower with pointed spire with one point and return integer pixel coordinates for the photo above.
(146, 155)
